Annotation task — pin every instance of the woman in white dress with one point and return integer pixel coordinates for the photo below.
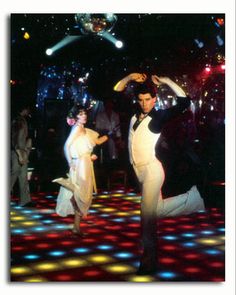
(75, 195)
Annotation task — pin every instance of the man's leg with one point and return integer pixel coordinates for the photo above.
(150, 193)
(24, 186)
(15, 168)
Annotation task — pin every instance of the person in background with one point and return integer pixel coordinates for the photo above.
(21, 146)
(108, 122)
(75, 195)
(144, 131)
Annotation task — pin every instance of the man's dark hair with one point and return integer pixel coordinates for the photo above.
(22, 105)
(146, 87)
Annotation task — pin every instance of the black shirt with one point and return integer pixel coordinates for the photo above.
(161, 117)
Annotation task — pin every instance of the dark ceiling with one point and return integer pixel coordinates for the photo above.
(160, 43)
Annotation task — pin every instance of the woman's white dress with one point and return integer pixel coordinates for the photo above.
(81, 177)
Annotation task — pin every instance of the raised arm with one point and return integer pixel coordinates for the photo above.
(165, 80)
(137, 77)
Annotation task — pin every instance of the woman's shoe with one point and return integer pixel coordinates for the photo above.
(77, 233)
(58, 180)
(66, 182)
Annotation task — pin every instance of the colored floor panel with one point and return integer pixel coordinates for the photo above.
(191, 248)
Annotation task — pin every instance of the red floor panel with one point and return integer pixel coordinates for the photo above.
(190, 248)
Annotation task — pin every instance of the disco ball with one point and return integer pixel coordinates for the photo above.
(95, 23)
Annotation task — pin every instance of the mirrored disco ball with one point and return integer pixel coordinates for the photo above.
(95, 23)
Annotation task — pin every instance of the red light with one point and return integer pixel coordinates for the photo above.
(29, 238)
(89, 240)
(191, 256)
(94, 230)
(64, 278)
(167, 260)
(222, 67)
(207, 69)
(169, 221)
(92, 273)
(134, 225)
(67, 243)
(43, 246)
(217, 264)
(52, 235)
(169, 229)
(192, 269)
(17, 248)
(132, 234)
(126, 244)
(169, 248)
(220, 21)
(13, 82)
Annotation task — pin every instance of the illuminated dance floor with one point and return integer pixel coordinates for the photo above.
(191, 248)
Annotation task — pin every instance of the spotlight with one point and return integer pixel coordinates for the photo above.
(219, 40)
(90, 24)
(119, 44)
(200, 44)
(207, 69)
(26, 36)
(112, 39)
(49, 51)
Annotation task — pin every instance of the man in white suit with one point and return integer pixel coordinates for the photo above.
(144, 132)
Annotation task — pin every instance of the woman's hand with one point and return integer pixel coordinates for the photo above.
(72, 165)
(94, 157)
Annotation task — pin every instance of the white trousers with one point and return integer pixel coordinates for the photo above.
(153, 206)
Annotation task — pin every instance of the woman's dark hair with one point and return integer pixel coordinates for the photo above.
(75, 110)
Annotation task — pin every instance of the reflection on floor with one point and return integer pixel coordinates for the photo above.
(191, 248)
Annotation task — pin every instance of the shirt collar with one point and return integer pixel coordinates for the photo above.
(151, 113)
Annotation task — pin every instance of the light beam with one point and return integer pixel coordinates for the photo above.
(65, 41)
(108, 36)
